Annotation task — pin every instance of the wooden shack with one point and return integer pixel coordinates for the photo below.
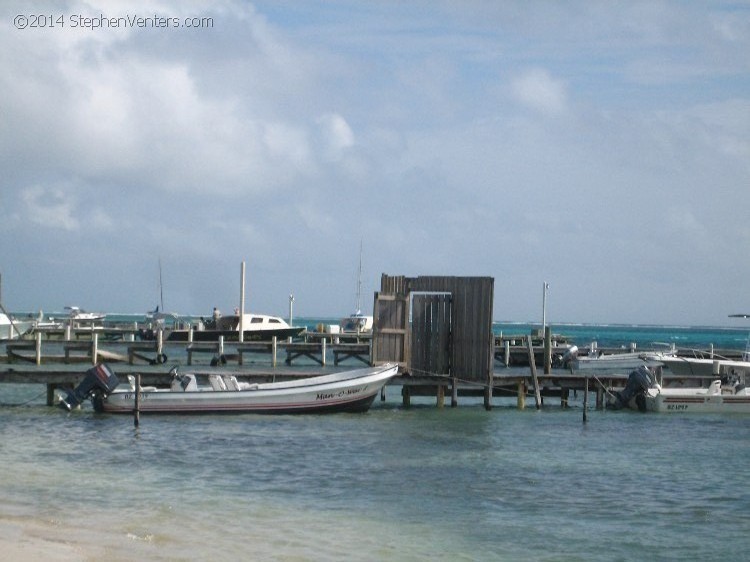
(436, 326)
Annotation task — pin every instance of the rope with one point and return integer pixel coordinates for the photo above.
(480, 384)
(37, 397)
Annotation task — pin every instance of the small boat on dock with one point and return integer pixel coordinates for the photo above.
(624, 362)
(346, 391)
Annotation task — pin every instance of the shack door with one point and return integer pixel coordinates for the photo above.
(390, 334)
(430, 334)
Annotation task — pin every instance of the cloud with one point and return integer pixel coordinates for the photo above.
(336, 135)
(538, 90)
(50, 208)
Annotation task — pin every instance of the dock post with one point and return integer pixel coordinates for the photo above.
(532, 364)
(585, 397)
(454, 392)
(274, 350)
(521, 398)
(159, 342)
(405, 396)
(94, 347)
(50, 394)
(547, 350)
(440, 396)
(599, 397)
(39, 350)
(221, 347)
(323, 351)
(564, 397)
(137, 408)
(67, 331)
(507, 353)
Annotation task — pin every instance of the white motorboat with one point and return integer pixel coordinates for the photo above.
(255, 327)
(726, 393)
(614, 362)
(12, 328)
(347, 391)
(716, 398)
(356, 323)
(79, 318)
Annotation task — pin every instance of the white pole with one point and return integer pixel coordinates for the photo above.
(242, 303)
(291, 315)
(545, 288)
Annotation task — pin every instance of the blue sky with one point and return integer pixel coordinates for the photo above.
(603, 147)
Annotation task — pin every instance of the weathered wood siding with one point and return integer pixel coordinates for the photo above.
(470, 340)
(431, 333)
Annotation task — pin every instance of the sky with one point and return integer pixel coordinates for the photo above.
(602, 147)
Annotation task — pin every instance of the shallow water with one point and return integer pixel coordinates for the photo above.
(395, 483)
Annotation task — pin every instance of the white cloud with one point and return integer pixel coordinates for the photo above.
(336, 135)
(50, 208)
(537, 89)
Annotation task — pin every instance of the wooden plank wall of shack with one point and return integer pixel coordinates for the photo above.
(471, 340)
(431, 333)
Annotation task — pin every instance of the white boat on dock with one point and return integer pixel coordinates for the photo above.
(726, 393)
(624, 362)
(346, 391)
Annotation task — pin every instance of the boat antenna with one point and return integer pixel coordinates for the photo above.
(359, 280)
(161, 288)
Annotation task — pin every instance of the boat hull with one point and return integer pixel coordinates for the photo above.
(228, 335)
(680, 403)
(351, 391)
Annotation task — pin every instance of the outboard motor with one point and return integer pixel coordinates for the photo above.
(639, 381)
(570, 354)
(99, 378)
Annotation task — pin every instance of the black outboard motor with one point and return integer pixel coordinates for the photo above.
(639, 381)
(99, 378)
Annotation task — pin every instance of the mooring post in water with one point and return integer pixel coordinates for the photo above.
(532, 364)
(94, 347)
(38, 348)
(585, 397)
(547, 350)
(137, 407)
(521, 396)
(454, 392)
(274, 349)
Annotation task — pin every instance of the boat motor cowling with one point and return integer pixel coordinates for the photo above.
(639, 381)
(99, 378)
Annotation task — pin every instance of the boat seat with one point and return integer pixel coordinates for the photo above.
(216, 382)
(248, 386)
(184, 383)
(131, 381)
(231, 382)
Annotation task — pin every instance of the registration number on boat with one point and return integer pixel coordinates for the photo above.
(340, 394)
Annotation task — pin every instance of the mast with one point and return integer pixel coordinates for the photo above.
(359, 279)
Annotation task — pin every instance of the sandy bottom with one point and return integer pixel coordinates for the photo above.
(27, 539)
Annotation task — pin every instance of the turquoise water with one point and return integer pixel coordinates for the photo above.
(396, 483)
